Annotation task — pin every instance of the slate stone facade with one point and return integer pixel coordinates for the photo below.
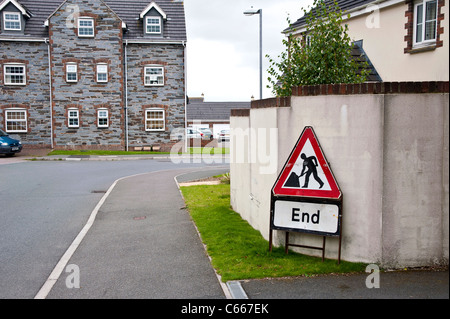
(34, 97)
(81, 109)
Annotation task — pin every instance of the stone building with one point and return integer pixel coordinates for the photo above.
(92, 74)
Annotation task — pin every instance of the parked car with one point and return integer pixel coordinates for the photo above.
(224, 135)
(8, 145)
(180, 133)
(193, 133)
(207, 134)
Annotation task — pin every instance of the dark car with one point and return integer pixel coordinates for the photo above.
(9, 146)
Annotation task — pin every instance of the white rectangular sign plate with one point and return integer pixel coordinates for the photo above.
(308, 217)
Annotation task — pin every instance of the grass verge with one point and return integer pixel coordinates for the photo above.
(191, 150)
(209, 150)
(102, 153)
(240, 252)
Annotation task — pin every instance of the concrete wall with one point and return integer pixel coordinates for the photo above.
(389, 154)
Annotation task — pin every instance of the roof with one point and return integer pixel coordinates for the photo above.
(213, 111)
(127, 10)
(344, 5)
(361, 57)
(20, 7)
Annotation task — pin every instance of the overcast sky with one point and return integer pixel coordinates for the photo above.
(223, 45)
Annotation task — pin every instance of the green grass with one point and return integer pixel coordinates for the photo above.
(240, 252)
(192, 150)
(209, 150)
(102, 153)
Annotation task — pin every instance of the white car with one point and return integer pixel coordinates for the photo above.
(193, 133)
(179, 134)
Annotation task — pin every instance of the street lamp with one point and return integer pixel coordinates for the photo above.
(248, 13)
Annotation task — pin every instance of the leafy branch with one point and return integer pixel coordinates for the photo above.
(321, 55)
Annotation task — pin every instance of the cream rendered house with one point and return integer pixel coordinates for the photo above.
(406, 40)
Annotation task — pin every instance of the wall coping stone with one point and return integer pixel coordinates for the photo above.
(350, 89)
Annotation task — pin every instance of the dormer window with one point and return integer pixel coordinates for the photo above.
(86, 27)
(12, 16)
(153, 20)
(153, 25)
(11, 21)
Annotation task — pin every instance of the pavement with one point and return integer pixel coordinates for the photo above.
(143, 245)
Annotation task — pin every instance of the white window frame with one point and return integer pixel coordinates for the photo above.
(424, 42)
(9, 74)
(157, 25)
(308, 40)
(73, 114)
(68, 66)
(104, 71)
(104, 116)
(5, 20)
(150, 79)
(24, 120)
(80, 27)
(156, 119)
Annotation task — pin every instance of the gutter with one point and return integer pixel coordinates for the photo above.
(149, 41)
(47, 41)
(185, 96)
(358, 11)
(24, 39)
(126, 96)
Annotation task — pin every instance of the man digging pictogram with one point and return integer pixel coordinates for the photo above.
(310, 163)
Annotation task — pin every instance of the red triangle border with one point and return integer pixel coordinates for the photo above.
(278, 190)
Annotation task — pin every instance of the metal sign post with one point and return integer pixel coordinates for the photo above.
(306, 215)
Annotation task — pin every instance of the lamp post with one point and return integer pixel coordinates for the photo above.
(252, 12)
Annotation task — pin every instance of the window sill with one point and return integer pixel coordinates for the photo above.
(423, 48)
(15, 84)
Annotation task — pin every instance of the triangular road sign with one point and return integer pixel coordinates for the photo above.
(306, 172)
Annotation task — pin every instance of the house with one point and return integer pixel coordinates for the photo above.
(406, 40)
(212, 115)
(92, 74)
